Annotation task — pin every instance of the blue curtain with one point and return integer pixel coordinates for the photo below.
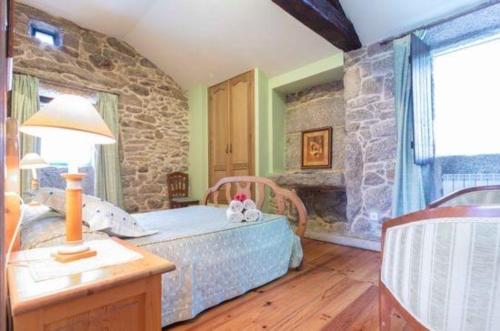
(409, 193)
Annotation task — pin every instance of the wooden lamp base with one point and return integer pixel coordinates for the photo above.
(64, 257)
(74, 248)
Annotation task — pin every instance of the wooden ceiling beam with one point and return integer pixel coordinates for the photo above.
(326, 18)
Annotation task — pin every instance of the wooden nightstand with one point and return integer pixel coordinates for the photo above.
(121, 297)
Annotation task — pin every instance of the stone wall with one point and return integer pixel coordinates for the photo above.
(314, 108)
(153, 110)
(371, 138)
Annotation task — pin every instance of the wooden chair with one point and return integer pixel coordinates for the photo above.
(440, 269)
(178, 190)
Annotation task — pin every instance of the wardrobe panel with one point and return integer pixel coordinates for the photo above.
(241, 132)
(218, 132)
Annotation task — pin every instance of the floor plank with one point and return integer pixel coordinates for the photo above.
(336, 289)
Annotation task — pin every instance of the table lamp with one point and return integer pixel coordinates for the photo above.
(33, 161)
(74, 119)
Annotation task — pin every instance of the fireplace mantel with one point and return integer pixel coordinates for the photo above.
(323, 179)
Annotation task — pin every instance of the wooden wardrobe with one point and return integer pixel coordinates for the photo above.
(231, 128)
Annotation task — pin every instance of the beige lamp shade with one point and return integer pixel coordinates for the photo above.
(33, 161)
(69, 117)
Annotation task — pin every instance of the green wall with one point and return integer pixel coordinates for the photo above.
(322, 71)
(261, 124)
(270, 111)
(198, 140)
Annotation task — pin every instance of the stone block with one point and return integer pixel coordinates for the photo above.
(374, 85)
(101, 62)
(383, 66)
(338, 147)
(378, 199)
(381, 150)
(315, 114)
(352, 83)
(378, 49)
(384, 128)
(293, 151)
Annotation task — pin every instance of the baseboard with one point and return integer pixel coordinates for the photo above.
(344, 240)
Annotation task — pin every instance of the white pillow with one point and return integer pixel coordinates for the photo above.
(51, 197)
(111, 219)
(98, 214)
(34, 212)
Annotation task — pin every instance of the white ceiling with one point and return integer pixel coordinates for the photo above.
(380, 19)
(207, 41)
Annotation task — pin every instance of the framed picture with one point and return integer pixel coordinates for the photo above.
(317, 148)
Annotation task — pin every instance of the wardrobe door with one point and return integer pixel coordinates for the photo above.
(219, 132)
(241, 109)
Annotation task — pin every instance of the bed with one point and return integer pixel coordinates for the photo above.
(215, 260)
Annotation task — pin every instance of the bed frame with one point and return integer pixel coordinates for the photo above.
(243, 184)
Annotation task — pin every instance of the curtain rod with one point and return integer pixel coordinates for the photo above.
(65, 85)
(443, 20)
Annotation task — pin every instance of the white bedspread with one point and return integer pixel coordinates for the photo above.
(216, 260)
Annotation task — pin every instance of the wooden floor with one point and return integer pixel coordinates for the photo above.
(336, 289)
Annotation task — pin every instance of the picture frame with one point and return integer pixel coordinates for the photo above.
(316, 148)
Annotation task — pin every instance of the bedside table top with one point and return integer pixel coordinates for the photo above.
(27, 295)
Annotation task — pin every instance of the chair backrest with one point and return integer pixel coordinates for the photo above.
(441, 268)
(178, 185)
(472, 196)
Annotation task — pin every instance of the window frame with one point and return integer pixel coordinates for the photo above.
(42, 27)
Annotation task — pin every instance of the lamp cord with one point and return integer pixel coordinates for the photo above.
(18, 227)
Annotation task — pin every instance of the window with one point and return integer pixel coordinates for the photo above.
(46, 33)
(467, 100)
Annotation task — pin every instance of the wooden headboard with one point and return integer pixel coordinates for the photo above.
(244, 185)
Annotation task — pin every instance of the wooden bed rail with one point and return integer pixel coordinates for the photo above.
(244, 185)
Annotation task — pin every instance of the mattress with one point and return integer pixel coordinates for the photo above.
(215, 260)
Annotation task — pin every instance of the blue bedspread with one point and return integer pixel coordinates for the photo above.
(216, 260)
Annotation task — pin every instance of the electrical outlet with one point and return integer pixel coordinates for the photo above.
(373, 216)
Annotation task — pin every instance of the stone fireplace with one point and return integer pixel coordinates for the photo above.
(323, 194)
(322, 191)
(332, 207)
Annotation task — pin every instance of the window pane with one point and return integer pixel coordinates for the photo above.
(45, 37)
(61, 152)
(467, 100)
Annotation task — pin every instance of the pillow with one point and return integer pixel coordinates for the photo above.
(50, 230)
(51, 197)
(35, 212)
(105, 216)
(98, 214)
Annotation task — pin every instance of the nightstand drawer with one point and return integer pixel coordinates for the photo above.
(134, 306)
